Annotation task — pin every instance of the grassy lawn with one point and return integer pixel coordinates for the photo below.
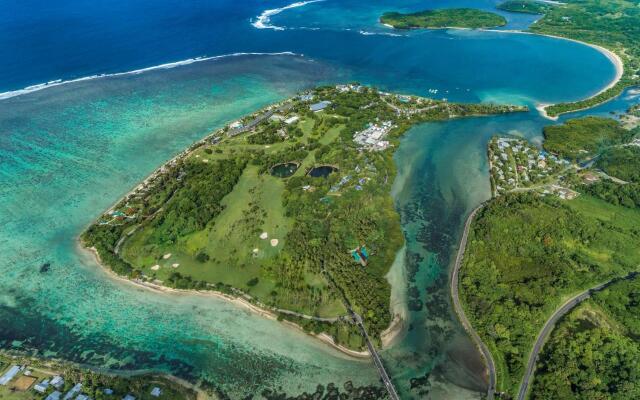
(231, 239)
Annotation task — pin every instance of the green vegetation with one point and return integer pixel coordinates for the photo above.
(581, 139)
(613, 24)
(622, 162)
(593, 353)
(526, 255)
(445, 18)
(215, 218)
(533, 248)
(620, 195)
(525, 6)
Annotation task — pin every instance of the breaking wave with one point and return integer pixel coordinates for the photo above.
(263, 21)
(59, 82)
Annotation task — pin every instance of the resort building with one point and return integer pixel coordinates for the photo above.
(319, 106)
(371, 138)
(73, 392)
(42, 386)
(10, 374)
(54, 396)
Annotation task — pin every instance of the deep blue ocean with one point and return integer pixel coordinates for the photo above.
(69, 151)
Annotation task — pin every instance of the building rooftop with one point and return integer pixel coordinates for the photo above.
(320, 105)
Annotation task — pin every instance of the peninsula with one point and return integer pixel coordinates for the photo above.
(444, 18)
(287, 209)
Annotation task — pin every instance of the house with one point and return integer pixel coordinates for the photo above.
(319, 106)
(9, 375)
(83, 397)
(156, 392)
(57, 382)
(42, 386)
(128, 397)
(291, 120)
(54, 396)
(73, 392)
(306, 97)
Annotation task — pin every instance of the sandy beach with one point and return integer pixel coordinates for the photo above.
(238, 301)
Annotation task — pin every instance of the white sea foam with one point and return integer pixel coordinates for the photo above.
(263, 21)
(368, 33)
(58, 82)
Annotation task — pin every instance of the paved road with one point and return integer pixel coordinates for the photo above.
(484, 350)
(550, 324)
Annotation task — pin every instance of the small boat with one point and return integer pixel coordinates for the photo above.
(45, 267)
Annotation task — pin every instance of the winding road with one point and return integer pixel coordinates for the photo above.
(550, 324)
(544, 332)
(484, 350)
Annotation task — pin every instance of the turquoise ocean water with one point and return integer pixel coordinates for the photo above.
(68, 152)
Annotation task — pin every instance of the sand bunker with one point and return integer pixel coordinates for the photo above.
(166, 256)
(264, 235)
(175, 265)
(155, 267)
(274, 242)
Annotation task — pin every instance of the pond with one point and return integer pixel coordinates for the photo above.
(284, 170)
(322, 171)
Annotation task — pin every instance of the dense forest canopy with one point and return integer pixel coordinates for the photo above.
(444, 18)
(593, 353)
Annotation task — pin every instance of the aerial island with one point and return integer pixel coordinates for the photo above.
(444, 18)
(287, 209)
(562, 225)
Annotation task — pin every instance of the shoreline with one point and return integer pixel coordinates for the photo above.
(614, 58)
(237, 301)
(459, 309)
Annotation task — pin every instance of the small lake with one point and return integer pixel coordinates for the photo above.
(322, 171)
(284, 170)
